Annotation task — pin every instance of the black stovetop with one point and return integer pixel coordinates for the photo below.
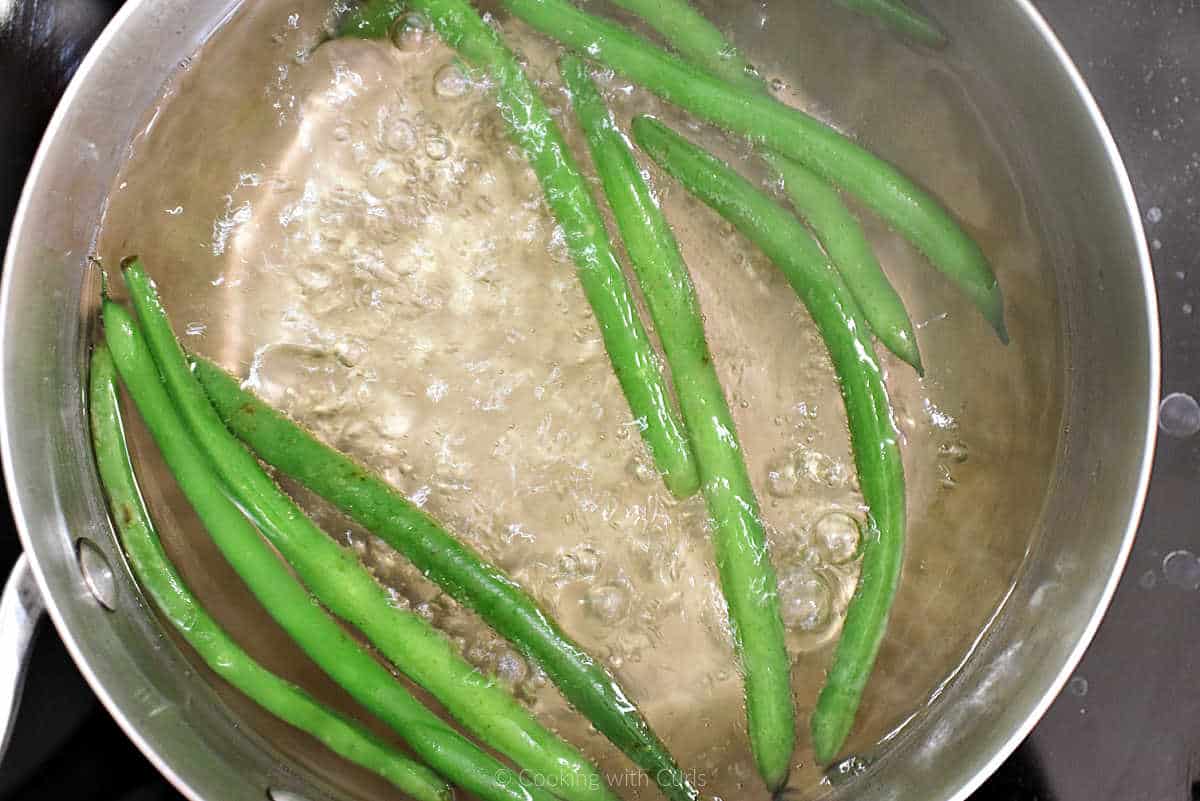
(1125, 729)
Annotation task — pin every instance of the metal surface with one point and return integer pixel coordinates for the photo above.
(21, 610)
(152, 691)
(1125, 726)
(1088, 215)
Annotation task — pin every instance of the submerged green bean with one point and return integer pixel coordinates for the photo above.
(907, 207)
(817, 202)
(873, 434)
(569, 198)
(820, 205)
(747, 576)
(170, 593)
(450, 564)
(371, 20)
(901, 19)
(329, 645)
(339, 580)
(696, 39)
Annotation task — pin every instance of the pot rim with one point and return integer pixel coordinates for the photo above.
(84, 657)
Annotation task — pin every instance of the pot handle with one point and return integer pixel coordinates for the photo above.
(21, 609)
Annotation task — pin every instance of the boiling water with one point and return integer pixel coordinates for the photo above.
(347, 227)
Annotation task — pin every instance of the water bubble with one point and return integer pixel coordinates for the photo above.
(937, 417)
(945, 478)
(782, 478)
(1078, 686)
(1148, 580)
(608, 603)
(641, 469)
(314, 277)
(349, 351)
(581, 563)
(954, 451)
(437, 148)
(557, 246)
(300, 379)
(1186, 309)
(399, 135)
(1154, 215)
(836, 537)
(510, 667)
(383, 179)
(412, 33)
(568, 563)
(847, 769)
(778, 84)
(195, 329)
(1179, 415)
(1182, 569)
(449, 81)
(805, 599)
(342, 132)
(821, 469)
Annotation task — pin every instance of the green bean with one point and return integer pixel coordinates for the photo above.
(909, 209)
(371, 20)
(747, 576)
(873, 434)
(166, 587)
(696, 39)
(902, 19)
(330, 646)
(344, 586)
(699, 41)
(454, 567)
(567, 194)
(843, 238)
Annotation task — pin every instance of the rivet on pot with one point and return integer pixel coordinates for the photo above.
(97, 573)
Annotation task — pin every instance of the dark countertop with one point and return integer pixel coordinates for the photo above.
(1124, 729)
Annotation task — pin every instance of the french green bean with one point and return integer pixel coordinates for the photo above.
(371, 20)
(901, 19)
(911, 210)
(747, 576)
(162, 582)
(873, 433)
(820, 205)
(330, 646)
(696, 39)
(335, 576)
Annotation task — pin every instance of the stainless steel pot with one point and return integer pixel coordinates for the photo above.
(1088, 224)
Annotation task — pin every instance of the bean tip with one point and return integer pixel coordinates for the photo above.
(130, 261)
(776, 785)
(1001, 331)
(97, 265)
